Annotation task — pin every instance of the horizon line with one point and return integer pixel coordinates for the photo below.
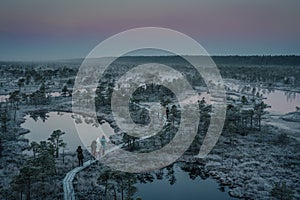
(219, 55)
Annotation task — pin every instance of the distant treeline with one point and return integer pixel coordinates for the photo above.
(257, 60)
(219, 60)
(222, 60)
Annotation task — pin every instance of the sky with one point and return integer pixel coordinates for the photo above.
(33, 30)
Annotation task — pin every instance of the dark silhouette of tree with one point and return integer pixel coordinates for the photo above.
(56, 141)
(46, 147)
(244, 100)
(21, 82)
(14, 99)
(24, 180)
(4, 119)
(34, 146)
(65, 91)
(103, 180)
(159, 174)
(70, 82)
(170, 175)
(145, 177)
(63, 155)
(259, 110)
(39, 96)
(122, 182)
(194, 170)
(42, 89)
(46, 165)
(130, 181)
(36, 169)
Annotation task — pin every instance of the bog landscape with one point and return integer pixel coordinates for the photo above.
(257, 155)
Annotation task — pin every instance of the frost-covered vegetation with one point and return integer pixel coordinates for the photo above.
(254, 158)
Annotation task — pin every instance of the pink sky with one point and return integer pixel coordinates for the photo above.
(223, 27)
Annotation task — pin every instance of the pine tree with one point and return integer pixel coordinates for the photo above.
(64, 91)
(36, 169)
(4, 119)
(34, 146)
(56, 141)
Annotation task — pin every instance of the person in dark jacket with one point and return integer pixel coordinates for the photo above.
(80, 155)
(167, 112)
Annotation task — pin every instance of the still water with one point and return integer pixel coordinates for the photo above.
(282, 102)
(41, 125)
(180, 184)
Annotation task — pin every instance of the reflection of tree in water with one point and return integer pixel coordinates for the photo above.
(159, 174)
(194, 171)
(290, 96)
(159, 140)
(79, 119)
(270, 90)
(149, 177)
(145, 177)
(42, 114)
(121, 184)
(170, 174)
(222, 188)
(118, 183)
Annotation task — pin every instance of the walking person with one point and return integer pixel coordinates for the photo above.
(167, 112)
(174, 113)
(94, 149)
(103, 144)
(163, 110)
(80, 156)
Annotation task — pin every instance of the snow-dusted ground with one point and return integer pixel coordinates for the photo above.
(254, 163)
(250, 166)
(292, 128)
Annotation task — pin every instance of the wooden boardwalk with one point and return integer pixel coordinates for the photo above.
(69, 193)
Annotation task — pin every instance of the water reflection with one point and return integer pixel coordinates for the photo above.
(179, 181)
(42, 115)
(281, 101)
(41, 124)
